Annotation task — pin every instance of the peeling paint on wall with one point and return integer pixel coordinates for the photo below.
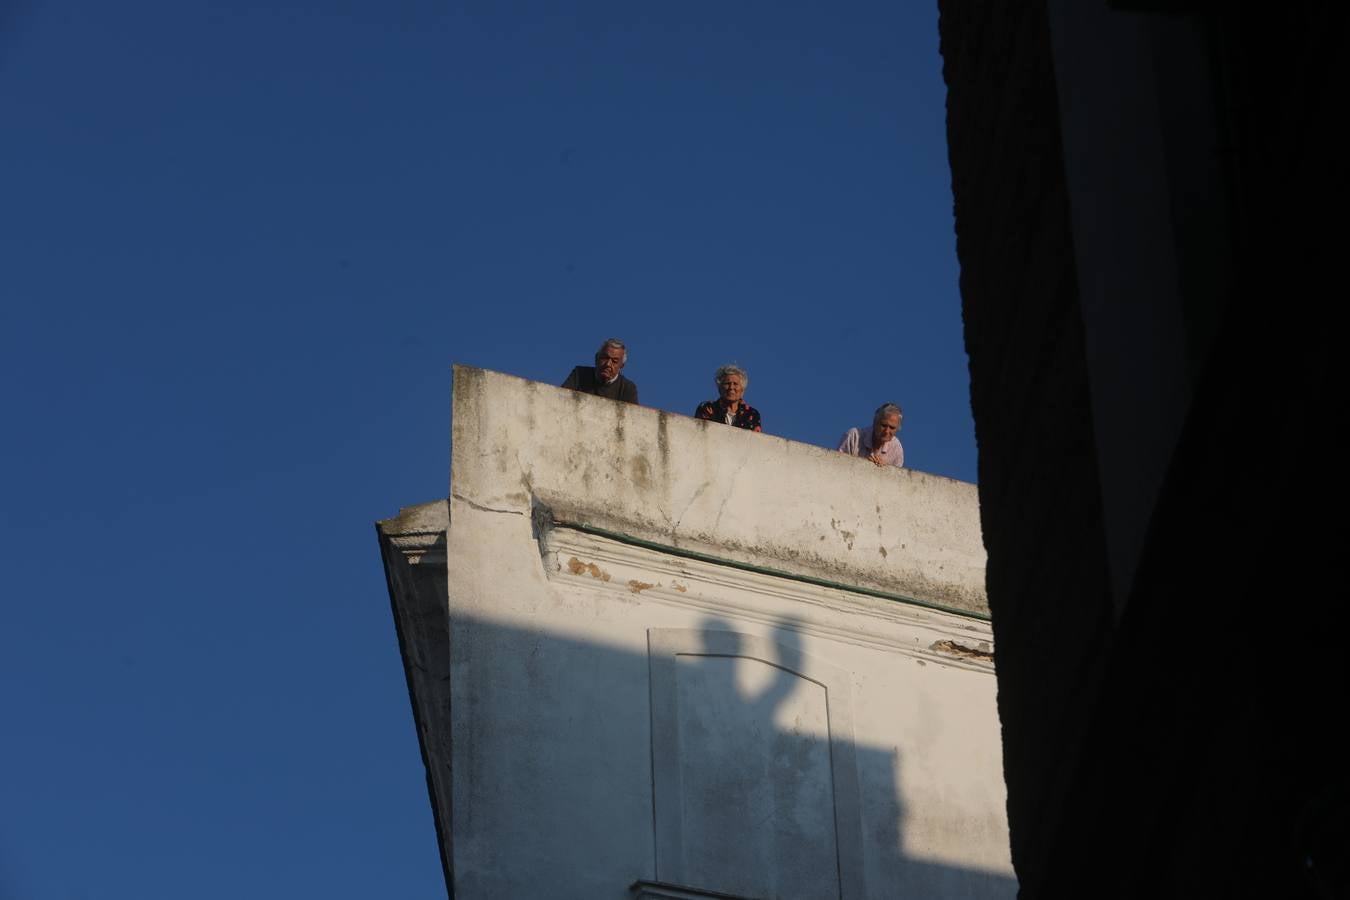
(576, 567)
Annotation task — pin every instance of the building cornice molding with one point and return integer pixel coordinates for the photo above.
(579, 560)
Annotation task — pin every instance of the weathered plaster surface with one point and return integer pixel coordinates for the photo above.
(623, 715)
(724, 491)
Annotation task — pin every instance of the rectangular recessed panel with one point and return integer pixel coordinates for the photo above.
(757, 796)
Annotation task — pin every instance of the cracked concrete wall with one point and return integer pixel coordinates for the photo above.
(672, 660)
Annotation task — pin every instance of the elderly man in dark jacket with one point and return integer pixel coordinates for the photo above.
(604, 378)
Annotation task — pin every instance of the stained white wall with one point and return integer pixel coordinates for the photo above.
(622, 711)
(707, 487)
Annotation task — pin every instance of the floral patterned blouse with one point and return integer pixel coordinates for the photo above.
(716, 411)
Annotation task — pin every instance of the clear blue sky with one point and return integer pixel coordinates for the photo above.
(241, 245)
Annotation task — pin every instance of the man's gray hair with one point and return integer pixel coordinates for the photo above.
(885, 410)
(616, 344)
(724, 371)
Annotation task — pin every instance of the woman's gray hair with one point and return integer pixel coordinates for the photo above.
(885, 410)
(724, 371)
(617, 345)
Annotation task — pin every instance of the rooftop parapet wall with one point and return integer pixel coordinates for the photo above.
(705, 488)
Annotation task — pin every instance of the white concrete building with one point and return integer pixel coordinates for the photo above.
(651, 656)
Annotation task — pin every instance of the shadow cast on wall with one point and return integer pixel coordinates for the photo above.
(720, 763)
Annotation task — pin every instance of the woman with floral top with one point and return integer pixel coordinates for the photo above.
(729, 407)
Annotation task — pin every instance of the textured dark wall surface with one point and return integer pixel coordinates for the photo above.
(1039, 497)
(1189, 748)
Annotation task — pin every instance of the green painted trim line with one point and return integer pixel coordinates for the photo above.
(765, 570)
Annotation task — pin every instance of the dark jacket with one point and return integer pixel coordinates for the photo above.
(583, 379)
(746, 416)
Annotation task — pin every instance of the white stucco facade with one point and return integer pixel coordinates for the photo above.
(652, 656)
